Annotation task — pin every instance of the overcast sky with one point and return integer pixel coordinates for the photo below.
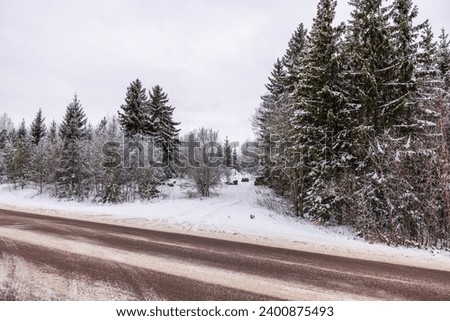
(212, 57)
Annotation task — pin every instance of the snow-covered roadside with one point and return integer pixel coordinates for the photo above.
(25, 281)
(227, 216)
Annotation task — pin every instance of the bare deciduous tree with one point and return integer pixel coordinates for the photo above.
(206, 169)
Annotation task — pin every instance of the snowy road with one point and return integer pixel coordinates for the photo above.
(45, 257)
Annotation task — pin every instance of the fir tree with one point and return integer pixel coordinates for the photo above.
(134, 118)
(164, 128)
(404, 44)
(371, 67)
(72, 170)
(53, 132)
(426, 67)
(73, 126)
(39, 172)
(427, 75)
(272, 122)
(22, 132)
(320, 116)
(102, 126)
(372, 75)
(89, 134)
(19, 159)
(443, 54)
(293, 57)
(38, 128)
(265, 118)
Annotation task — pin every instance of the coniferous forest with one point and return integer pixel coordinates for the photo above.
(355, 123)
(354, 129)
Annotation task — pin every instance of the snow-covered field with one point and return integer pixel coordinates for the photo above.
(241, 213)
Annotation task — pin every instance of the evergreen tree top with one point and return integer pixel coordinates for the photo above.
(22, 132)
(73, 126)
(295, 47)
(134, 118)
(277, 80)
(427, 52)
(443, 54)
(161, 112)
(53, 131)
(38, 128)
(292, 59)
(320, 66)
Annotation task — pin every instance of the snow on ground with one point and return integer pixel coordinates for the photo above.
(25, 281)
(242, 213)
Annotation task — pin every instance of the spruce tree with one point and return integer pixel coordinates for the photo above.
(134, 118)
(38, 128)
(73, 126)
(53, 132)
(371, 65)
(19, 160)
(404, 44)
(320, 117)
(371, 72)
(293, 57)
(22, 132)
(39, 173)
(288, 169)
(102, 126)
(426, 64)
(427, 75)
(443, 55)
(272, 122)
(265, 118)
(72, 167)
(163, 127)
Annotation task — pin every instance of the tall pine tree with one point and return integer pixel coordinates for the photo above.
(371, 63)
(294, 56)
(443, 55)
(265, 119)
(72, 170)
(164, 128)
(134, 118)
(38, 128)
(19, 161)
(404, 43)
(320, 113)
(272, 122)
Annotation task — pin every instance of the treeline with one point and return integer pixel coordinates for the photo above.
(355, 123)
(122, 158)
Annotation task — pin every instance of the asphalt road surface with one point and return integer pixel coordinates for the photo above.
(168, 266)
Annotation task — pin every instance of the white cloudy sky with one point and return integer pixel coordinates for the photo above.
(211, 56)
